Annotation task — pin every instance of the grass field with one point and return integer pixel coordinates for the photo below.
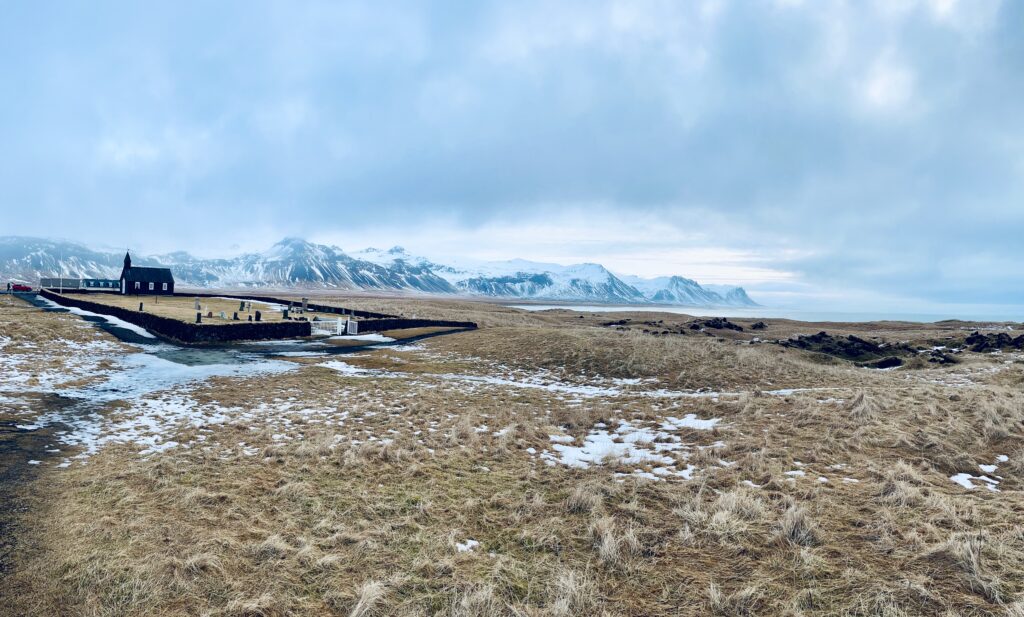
(545, 464)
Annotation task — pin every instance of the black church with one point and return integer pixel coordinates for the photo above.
(149, 281)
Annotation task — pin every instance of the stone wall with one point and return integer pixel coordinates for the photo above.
(188, 333)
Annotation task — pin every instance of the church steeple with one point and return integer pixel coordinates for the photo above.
(127, 260)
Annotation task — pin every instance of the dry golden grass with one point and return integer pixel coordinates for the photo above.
(333, 523)
(183, 308)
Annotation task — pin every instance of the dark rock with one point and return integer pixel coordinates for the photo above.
(850, 347)
(716, 323)
(890, 362)
(621, 322)
(978, 342)
(938, 357)
(759, 326)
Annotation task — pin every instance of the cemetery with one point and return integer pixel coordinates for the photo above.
(206, 318)
(184, 307)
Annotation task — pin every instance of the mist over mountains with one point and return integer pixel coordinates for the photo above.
(296, 263)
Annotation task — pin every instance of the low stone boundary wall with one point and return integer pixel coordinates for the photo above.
(320, 308)
(380, 325)
(190, 333)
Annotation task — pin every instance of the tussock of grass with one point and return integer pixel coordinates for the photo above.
(737, 604)
(573, 593)
(796, 527)
(966, 551)
(584, 499)
(900, 487)
(370, 600)
(862, 407)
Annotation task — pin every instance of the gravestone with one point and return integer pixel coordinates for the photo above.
(199, 317)
(198, 308)
(236, 316)
(286, 314)
(209, 313)
(241, 305)
(258, 315)
(304, 302)
(250, 317)
(222, 315)
(140, 306)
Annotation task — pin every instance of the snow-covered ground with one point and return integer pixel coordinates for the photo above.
(151, 393)
(628, 444)
(115, 321)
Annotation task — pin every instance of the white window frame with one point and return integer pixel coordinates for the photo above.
(151, 286)
(138, 285)
(165, 286)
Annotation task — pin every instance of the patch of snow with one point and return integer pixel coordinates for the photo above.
(535, 384)
(625, 445)
(151, 386)
(412, 347)
(372, 336)
(466, 546)
(689, 421)
(348, 369)
(114, 321)
(965, 480)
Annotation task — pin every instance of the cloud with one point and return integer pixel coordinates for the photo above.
(126, 154)
(888, 86)
(820, 145)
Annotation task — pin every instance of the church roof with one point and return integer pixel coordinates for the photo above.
(148, 275)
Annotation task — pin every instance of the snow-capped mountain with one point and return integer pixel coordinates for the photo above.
(293, 262)
(28, 259)
(523, 279)
(679, 290)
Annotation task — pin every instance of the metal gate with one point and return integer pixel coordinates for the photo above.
(334, 326)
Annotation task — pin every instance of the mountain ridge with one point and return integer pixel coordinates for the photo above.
(297, 263)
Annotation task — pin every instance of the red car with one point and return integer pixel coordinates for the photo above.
(20, 287)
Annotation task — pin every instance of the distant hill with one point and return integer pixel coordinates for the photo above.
(296, 263)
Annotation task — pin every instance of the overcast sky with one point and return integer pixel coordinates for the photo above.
(853, 154)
